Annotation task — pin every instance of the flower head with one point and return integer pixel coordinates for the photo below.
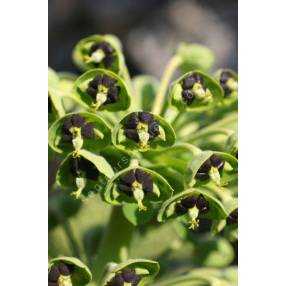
(211, 168)
(141, 127)
(101, 53)
(75, 126)
(228, 83)
(193, 206)
(103, 90)
(136, 183)
(194, 87)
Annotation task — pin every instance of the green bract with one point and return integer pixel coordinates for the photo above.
(81, 91)
(215, 209)
(161, 188)
(100, 138)
(55, 105)
(195, 57)
(83, 59)
(166, 136)
(199, 97)
(146, 269)
(83, 184)
(80, 274)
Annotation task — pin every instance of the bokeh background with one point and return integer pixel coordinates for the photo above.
(150, 30)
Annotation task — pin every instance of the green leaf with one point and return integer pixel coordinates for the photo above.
(195, 57)
(121, 142)
(148, 268)
(101, 138)
(81, 85)
(80, 276)
(176, 99)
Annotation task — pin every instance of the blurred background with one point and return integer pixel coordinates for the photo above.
(149, 29)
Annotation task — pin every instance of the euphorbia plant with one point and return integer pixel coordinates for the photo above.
(156, 153)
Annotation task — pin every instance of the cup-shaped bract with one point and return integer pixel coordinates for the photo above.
(99, 51)
(143, 131)
(100, 89)
(55, 105)
(86, 172)
(228, 80)
(207, 166)
(80, 130)
(71, 271)
(195, 91)
(191, 205)
(135, 272)
(195, 57)
(137, 185)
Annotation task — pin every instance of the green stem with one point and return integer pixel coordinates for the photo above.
(116, 240)
(173, 64)
(204, 133)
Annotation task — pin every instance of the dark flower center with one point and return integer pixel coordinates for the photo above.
(228, 83)
(127, 182)
(191, 84)
(187, 203)
(213, 161)
(75, 126)
(81, 167)
(103, 90)
(60, 272)
(102, 53)
(128, 276)
(141, 127)
(233, 217)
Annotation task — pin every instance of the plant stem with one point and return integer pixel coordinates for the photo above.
(116, 240)
(174, 62)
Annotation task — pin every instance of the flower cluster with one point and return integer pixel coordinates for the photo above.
(60, 275)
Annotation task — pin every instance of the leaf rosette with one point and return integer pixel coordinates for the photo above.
(143, 131)
(195, 91)
(68, 271)
(81, 130)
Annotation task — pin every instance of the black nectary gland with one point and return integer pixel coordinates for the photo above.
(108, 59)
(134, 119)
(81, 167)
(128, 276)
(78, 121)
(109, 83)
(138, 175)
(224, 77)
(187, 85)
(56, 271)
(213, 161)
(200, 202)
(233, 217)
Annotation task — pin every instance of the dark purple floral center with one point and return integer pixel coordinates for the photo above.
(81, 167)
(187, 203)
(56, 271)
(126, 276)
(108, 51)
